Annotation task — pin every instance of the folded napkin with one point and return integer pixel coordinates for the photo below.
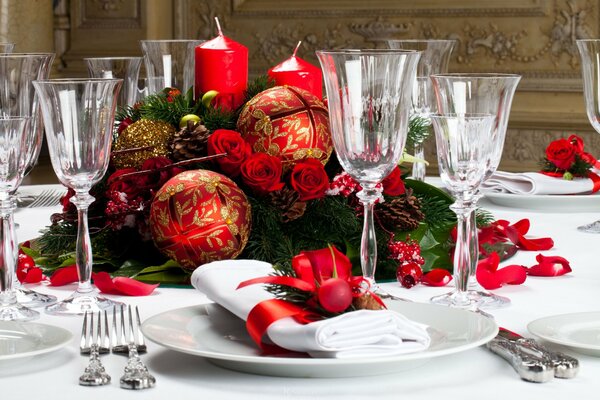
(535, 183)
(363, 333)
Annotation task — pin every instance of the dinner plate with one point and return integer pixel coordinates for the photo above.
(21, 340)
(547, 202)
(577, 331)
(210, 331)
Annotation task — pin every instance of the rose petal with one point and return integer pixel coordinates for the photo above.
(535, 244)
(512, 274)
(490, 263)
(522, 226)
(490, 277)
(104, 283)
(436, 277)
(550, 266)
(132, 287)
(64, 276)
(34, 275)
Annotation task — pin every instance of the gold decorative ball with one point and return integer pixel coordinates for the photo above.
(143, 133)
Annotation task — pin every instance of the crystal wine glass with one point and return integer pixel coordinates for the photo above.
(18, 97)
(465, 146)
(13, 143)
(369, 99)
(6, 47)
(126, 68)
(435, 56)
(487, 93)
(79, 117)
(589, 51)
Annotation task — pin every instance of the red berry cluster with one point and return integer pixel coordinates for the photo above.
(119, 209)
(343, 184)
(408, 254)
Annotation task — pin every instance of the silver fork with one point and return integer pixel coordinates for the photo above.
(47, 198)
(136, 375)
(94, 342)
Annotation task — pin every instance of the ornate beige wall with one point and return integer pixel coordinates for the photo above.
(532, 37)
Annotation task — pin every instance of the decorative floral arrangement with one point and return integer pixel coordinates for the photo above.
(566, 158)
(190, 182)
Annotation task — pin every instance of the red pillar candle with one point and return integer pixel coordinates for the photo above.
(222, 65)
(296, 72)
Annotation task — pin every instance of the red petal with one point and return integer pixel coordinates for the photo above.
(104, 283)
(522, 226)
(550, 266)
(512, 274)
(64, 276)
(34, 275)
(436, 277)
(131, 287)
(21, 275)
(490, 263)
(487, 279)
(536, 244)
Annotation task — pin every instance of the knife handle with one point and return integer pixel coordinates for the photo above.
(565, 366)
(529, 367)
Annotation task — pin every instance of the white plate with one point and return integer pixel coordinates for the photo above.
(27, 339)
(210, 331)
(578, 331)
(547, 202)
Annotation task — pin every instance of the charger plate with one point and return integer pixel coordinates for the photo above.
(571, 203)
(211, 332)
(577, 331)
(28, 339)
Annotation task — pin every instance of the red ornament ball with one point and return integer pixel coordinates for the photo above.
(409, 274)
(289, 123)
(198, 217)
(335, 295)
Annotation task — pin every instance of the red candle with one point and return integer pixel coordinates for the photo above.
(222, 65)
(296, 72)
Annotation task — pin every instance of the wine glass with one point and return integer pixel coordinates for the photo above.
(487, 93)
(169, 63)
(126, 68)
(465, 146)
(6, 47)
(589, 51)
(79, 117)
(369, 99)
(435, 56)
(18, 97)
(13, 143)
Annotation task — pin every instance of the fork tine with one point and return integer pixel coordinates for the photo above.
(106, 342)
(131, 332)
(83, 341)
(91, 336)
(141, 342)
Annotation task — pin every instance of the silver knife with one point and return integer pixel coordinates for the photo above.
(565, 366)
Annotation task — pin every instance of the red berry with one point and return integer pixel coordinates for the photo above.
(25, 261)
(335, 295)
(409, 274)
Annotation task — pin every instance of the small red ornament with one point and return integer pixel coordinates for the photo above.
(289, 123)
(409, 274)
(198, 217)
(335, 295)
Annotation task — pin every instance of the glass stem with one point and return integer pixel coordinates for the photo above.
(368, 244)
(83, 257)
(8, 258)
(463, 253)
(418, 168)
(474, 251)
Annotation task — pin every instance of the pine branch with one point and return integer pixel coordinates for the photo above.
(419, 130)
(218, 118)
(259, 84)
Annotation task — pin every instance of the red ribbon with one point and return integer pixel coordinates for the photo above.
(595, 180)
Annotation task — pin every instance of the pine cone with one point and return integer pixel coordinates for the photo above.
(366, 302)
(189, 142)
(400, 214)
(286, 200)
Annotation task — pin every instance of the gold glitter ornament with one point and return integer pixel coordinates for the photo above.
(142, 133)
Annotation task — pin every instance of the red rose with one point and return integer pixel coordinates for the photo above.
(129, 186)
(577, 142)
(157, 179)
(232, 143)
(65, 201)
(262, 173)
(561, 153)
(309, 179)
(393, 184)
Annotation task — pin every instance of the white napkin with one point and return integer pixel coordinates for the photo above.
(363, 333)
(535, 183)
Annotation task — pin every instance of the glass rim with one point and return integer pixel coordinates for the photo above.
(15, 117)
(368, 51)
(26, 55)
(481, 75)
(458, 115)
(115, 58)
(422, 40)
(76, 80)
(587, 40)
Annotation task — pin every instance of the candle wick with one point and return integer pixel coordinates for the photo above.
(297, 47)
(219, 31)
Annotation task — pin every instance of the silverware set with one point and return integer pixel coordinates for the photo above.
(122, 338)
(47, 198)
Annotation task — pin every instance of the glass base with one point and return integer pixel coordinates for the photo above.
(457, 300)
(30, 298)
(486, 299)
(17, 312)
(80, 303)
(594, 227)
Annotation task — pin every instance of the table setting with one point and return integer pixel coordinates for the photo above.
(218, 237)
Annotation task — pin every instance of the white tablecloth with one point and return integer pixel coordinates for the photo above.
(474, 374)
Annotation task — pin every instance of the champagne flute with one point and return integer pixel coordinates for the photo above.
(79, 117)
(369, 99)
(486, 93)
(13, 143)
(589, 51)
(435, 56)
(126, 68)
(18, 97)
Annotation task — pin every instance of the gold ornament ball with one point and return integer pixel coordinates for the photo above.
(142, 133)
